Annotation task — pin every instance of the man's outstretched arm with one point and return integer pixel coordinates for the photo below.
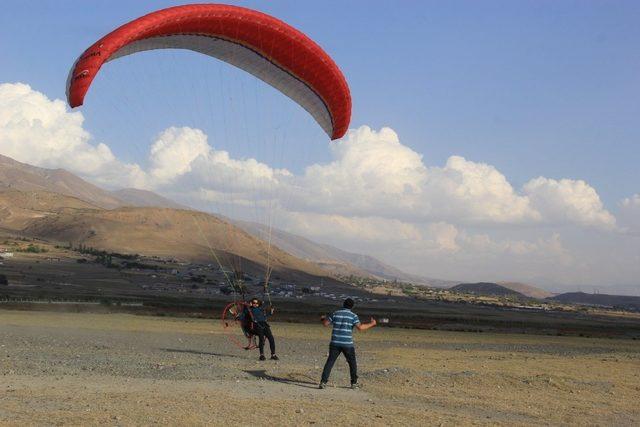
(325, 321)
(365, 326)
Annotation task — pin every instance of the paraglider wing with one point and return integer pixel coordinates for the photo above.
(258, 43)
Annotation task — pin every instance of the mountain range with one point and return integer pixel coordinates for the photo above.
(616, 301)
(335, 260)
(58, 205)
(19, 176)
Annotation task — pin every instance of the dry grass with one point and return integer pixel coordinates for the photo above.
(119, 369)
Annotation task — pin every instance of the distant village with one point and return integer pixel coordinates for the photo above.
(159, 276)
(195, 278)
(168, 275)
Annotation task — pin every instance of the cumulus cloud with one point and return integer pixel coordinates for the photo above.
(372, 173)
(630, 213)
(545, 247)
(220, 171)
(43, 132)
(174, 151)
(445, 236)
(476, 193)
(424, 239)
(375, 195)
(568, 201)
(183, 164)
(364, 229)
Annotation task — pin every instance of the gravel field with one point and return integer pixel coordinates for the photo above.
(117, 369)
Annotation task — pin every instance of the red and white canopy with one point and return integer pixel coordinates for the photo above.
(258, 43)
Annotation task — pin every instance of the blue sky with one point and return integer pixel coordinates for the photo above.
(528, 89)
(535, 88)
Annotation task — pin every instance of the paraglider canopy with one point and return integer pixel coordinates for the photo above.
(258, 43)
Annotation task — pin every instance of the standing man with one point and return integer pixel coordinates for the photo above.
(343, 321)
(261, 328)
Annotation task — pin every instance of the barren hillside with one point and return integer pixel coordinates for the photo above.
(140, 198)
(528, 290)
(15, 175)
(485, 288)
(18, 209)
(181, 234)
(333, 259)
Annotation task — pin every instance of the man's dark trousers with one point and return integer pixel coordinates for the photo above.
(349, 353)
(262, 330)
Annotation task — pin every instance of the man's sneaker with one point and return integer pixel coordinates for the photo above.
(322, 386)
(355, 386)
(262, 357)
(274, 357)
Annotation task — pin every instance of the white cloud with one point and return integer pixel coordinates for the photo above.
(174, 151)
(445, 236)
(45, 133)
(541, 247)
(338, 227)
(375, 195)
(372, 173)
(568, 201)
(476, 193)
(42, 132)
(436, 238)
(217, 170)
(181, 159)
(630, 213)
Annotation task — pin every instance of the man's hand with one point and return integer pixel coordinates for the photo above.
(324, 320)
(271, 310)
(364, 326)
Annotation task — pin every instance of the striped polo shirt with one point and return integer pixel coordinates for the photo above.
(343, 322)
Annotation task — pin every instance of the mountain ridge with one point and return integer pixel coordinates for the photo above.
(20, 176)
(15, 175)
(41, 183)
(615, 301)
(136, 197)
(165, 232)
(486, 288)
(334, 259)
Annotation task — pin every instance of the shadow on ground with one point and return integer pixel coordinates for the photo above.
(262, 374)
(205, 353)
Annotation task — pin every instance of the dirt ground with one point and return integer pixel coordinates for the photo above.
(116, 369)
